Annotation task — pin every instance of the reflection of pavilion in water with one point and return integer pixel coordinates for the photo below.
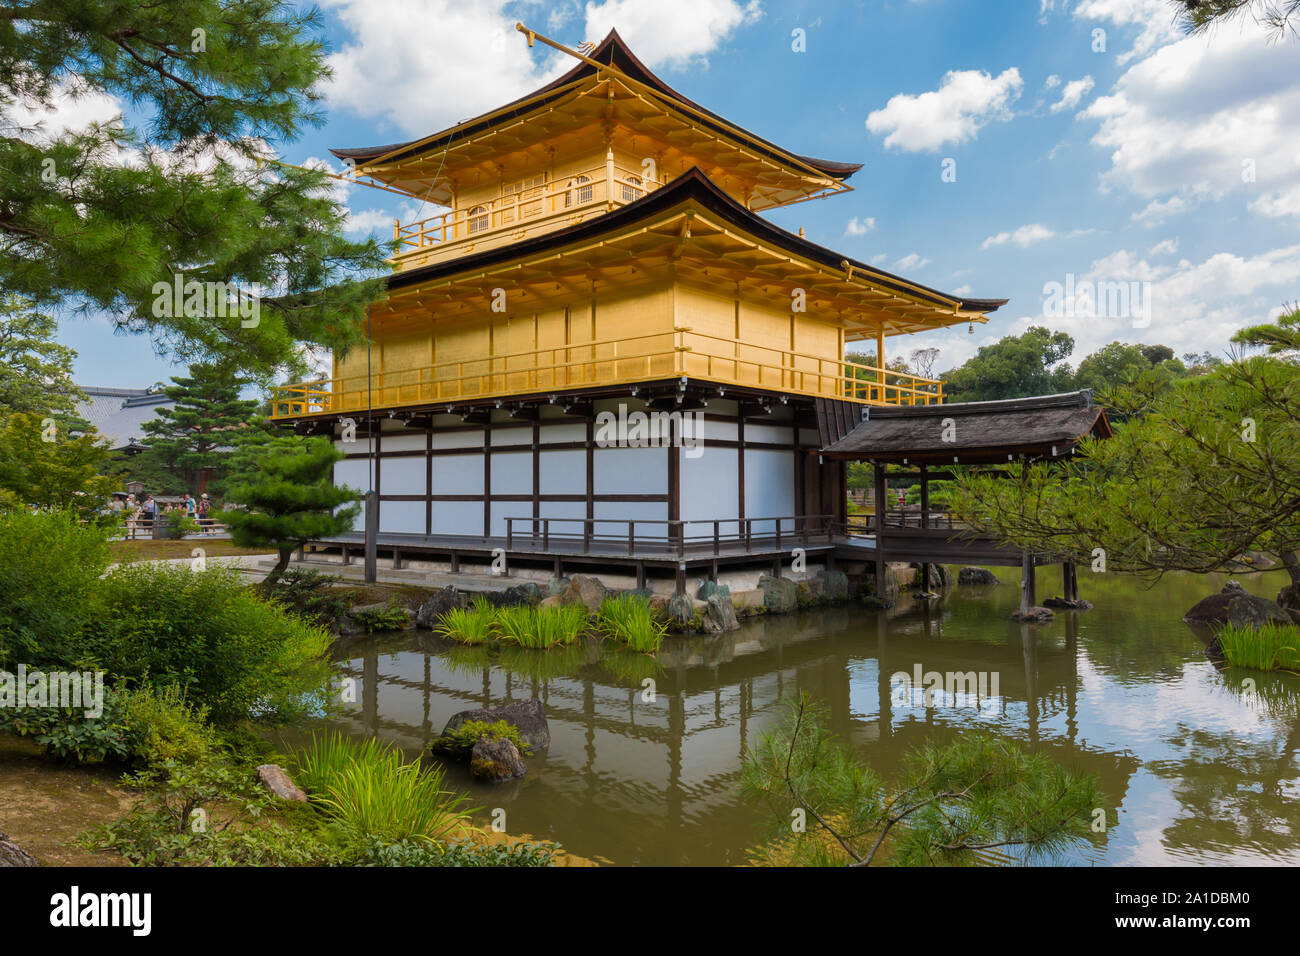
(671, 765)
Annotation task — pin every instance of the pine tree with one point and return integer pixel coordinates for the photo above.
(192, 439)
(112, 216)
(285, 496)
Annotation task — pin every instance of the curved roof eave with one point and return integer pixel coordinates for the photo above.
(693, 184)
(613, 49)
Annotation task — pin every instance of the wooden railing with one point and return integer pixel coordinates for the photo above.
(608, 183)
(629, 359)
(680, 538)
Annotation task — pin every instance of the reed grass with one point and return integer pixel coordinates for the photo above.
(628, 619)
(1266, 648)
(475, 624)
(370, 788)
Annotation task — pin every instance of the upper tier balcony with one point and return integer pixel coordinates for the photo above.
(529, 208)
(655, 356)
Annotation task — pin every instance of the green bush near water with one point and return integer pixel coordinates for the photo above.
(463, 738)
(1266, 648)
(233, 652)
(475, 624)
(628, 619)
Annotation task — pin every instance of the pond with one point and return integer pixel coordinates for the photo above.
(1197, 765)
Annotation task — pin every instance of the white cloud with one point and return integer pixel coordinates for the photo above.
(962, 290)
(672, 33)
(1156, 17)
(1157, 211)
(859, 227)
(878, 260)
(1166, 247)
(966, 101)
(1052, 82)
(911, 261)
(1203, 116)
(449, 60)
(1282, 203)
(1073, 94)
(1023, 237)
(68, 111)
(1192, 306)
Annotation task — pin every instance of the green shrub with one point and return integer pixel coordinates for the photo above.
(68, 734)
(1266, 648)
(310, 594)
(318, 763)
(463, 738)
(233, 652)
(49, 567)
(460, 853)
(469, 625)
(391, 617)
(161, 725)
(628, 619)
(211, 814)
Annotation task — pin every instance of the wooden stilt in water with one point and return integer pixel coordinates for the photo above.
(1027, 599)
(878, 471)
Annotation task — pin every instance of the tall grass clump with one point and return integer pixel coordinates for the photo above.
(628, 619)
(541, 628)
(373, 792)
(1266, 648)
(475, 624)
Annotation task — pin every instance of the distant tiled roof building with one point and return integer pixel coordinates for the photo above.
(119, 414)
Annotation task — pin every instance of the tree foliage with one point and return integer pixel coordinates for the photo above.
(99, 217)
(1199, 16)
(41, 467)
(1207, 468)
(1015, 367)
(197, 432)
(960, 803)
(35, 370)
(286, 496)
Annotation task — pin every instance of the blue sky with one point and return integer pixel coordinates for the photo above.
(1135, 155)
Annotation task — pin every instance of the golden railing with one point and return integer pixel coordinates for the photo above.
(630, 359)
(609, 183)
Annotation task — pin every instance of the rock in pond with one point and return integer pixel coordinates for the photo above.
(526, 716)
(438, 604)
(585, 590)
(496, 760)
(780, 595)
(976, 576)
(1234, 605)
(1035, 615)
(276, 779)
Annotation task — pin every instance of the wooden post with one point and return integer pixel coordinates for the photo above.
(878, 471)
(1066, 583)
(1027, 600)
(372, 535)
(925, 523)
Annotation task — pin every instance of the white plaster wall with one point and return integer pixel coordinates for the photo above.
(458, 475)
(403, 476)
(512, 473)
(769, 485)
(562, 473)
(630, 471)
(406, 516)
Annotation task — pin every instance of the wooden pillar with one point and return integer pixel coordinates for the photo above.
(372, 534)
(880, 359)
(1027, 599)
(1067, 585)
(878, 472)
(925, 523)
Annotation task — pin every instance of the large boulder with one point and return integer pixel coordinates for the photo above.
(880, 599)
(1289, 600)
(11, 854)
(496, 760)
(976, 576)
(528, 592)
(556, 586)
(939, 578)
(720, 614)
(780, 595)
(378, 616)
(276, 779)
(438, 604)
(1235, 605)
(835, 585)
(681, 611)
(526, 716)
(585, 590)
